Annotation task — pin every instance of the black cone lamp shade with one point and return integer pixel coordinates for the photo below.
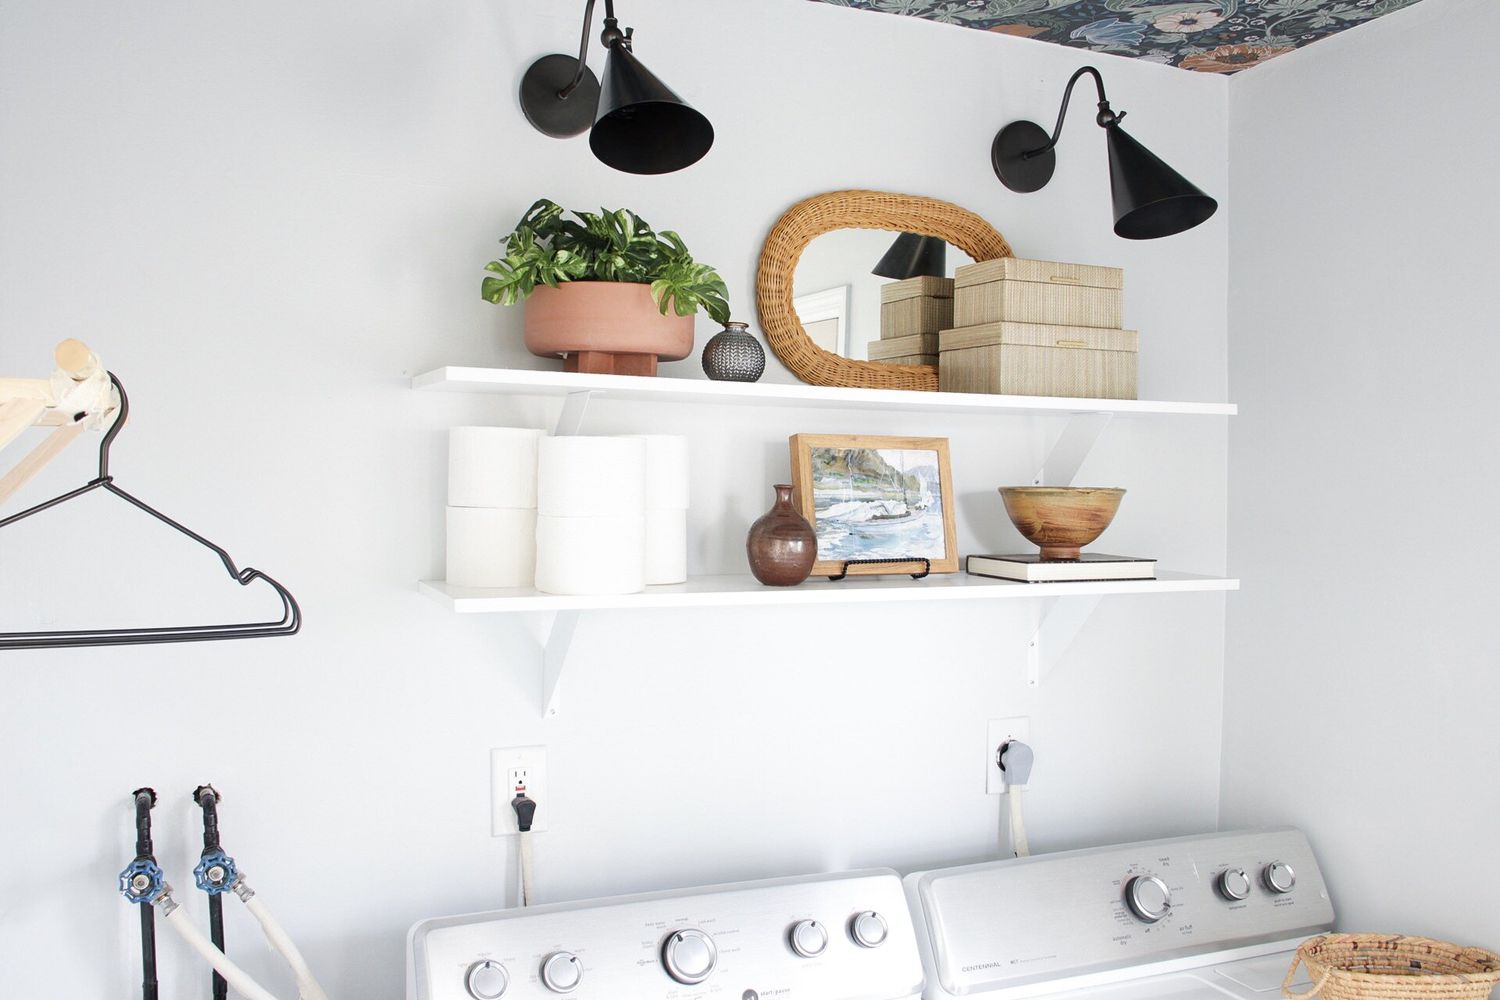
(635, 122)
(642, 127)
(1151, 200)
(913, 255)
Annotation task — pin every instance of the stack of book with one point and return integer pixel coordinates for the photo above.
(1032, 568)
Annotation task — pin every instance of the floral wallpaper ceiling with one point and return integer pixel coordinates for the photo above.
(1211, 37)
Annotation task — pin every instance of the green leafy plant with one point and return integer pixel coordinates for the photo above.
(548, 249)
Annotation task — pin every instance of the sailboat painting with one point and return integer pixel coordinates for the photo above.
(876, 498)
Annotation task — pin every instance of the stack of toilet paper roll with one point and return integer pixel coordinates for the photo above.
(666, 508)
(492, 506)
(611, 514)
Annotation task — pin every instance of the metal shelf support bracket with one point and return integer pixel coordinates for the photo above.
(1062, 618)
(1071, 448)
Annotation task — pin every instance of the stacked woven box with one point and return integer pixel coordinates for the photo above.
(1038, 328)
(911, 314)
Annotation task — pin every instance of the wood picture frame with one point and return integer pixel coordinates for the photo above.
(884, 509)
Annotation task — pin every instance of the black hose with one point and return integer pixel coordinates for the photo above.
(148, 951)
(208, 797)
(216, 932)
(145, 798)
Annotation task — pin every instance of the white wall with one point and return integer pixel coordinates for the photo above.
(268, 217)
(1361, 687)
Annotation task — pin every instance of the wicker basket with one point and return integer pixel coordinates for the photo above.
(1392, 967)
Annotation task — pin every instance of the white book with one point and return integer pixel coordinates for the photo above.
(1032, 568)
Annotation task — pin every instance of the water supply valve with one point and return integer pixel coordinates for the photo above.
(216, 873)
(142, 881)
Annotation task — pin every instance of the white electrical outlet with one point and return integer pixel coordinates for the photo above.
(513, 768)
(996, 733)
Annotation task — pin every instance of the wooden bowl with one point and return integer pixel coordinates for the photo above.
(1060, 519)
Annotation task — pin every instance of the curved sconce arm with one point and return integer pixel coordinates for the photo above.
(583, 49)
(1104, 119)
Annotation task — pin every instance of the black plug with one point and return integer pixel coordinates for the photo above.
(525, 808)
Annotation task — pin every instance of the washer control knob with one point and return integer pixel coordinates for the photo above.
(562, 972)
(808, 938)
(1148, 898)
(868, 929)
(1279, 877)
(486, 980)
(689, 956)
(1233, 884)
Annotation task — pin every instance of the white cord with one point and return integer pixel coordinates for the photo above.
(523, 875)
(1018, 822)
(306, 984)
(238, 979)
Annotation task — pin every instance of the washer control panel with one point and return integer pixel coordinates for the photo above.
(992, 927)
(823, 937)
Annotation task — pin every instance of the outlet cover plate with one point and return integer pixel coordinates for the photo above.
(504, 762)
(997, 732)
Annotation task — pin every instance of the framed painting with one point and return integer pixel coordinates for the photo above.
(888, 499)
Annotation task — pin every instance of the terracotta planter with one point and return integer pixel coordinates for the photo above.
(605, 327)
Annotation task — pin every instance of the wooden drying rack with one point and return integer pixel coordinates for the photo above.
(76, 397)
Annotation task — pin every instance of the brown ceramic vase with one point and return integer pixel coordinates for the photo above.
(782, 546)
(1060, 519)
(605, 327)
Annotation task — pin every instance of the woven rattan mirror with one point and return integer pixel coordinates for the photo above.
(825, 213)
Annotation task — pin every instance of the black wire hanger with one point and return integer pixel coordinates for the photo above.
(289, 623)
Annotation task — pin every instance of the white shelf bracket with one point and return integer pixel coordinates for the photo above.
(1071, 448)
(555, 657)
(564, 623)
(570, 419)
(1061, 620)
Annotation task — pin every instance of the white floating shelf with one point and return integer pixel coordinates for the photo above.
(744, 591)
(686, 390)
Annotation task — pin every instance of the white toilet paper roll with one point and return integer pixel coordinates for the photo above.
(666, 546)
(492, 466)
(666, 471)
(591, 476)
(591, 555)
(491, 546)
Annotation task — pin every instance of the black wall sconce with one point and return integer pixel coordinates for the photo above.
(635, 122)
(914, 255)
(1151, 199)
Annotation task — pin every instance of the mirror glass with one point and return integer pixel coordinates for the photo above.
(836, 293)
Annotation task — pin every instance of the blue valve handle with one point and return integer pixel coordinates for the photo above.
(152, 882)
(216, 859)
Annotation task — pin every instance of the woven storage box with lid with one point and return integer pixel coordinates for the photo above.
(917, 305)
(918, 349)
(1392, 967)
(1030, 359)
(1038, 291)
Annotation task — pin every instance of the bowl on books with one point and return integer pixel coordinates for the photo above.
(1060, 519)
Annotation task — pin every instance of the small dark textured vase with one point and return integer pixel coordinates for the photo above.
(781, 545)
(732, 355)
